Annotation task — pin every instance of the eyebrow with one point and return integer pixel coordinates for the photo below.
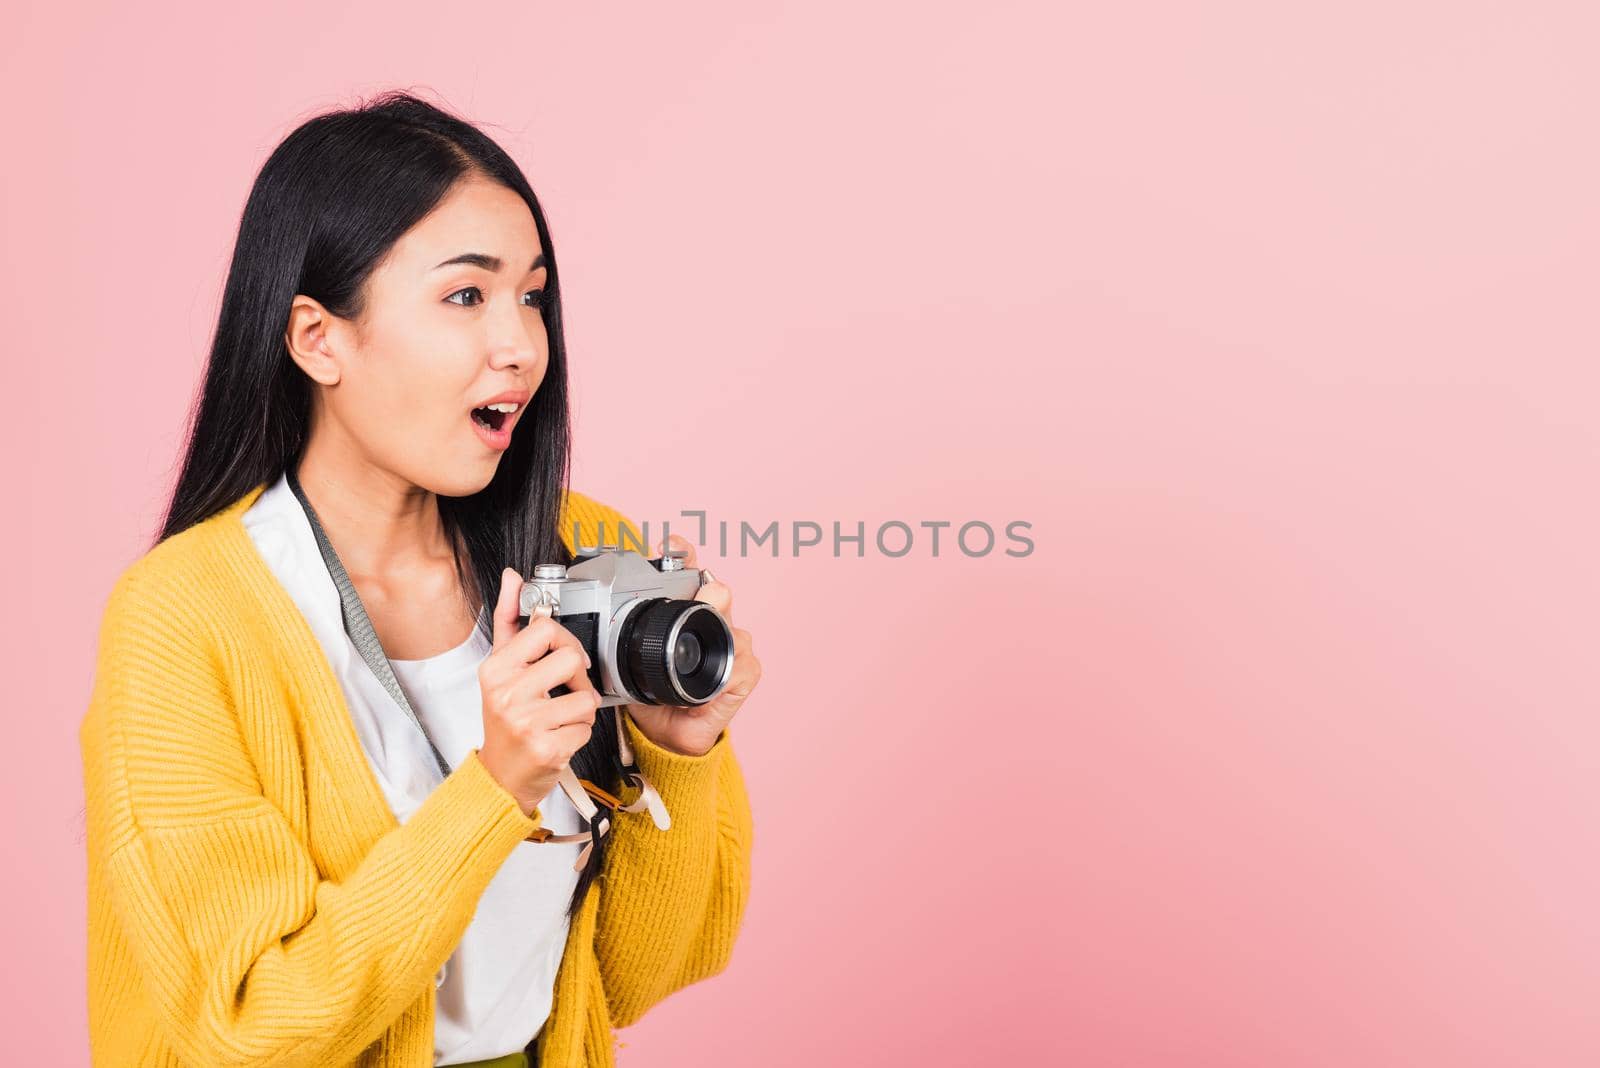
(487, 262)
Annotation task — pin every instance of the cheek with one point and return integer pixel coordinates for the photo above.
(413, 382)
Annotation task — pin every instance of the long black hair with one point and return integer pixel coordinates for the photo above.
(328, 204)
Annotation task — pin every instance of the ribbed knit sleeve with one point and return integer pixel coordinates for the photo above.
(673, 900)
(246, 954)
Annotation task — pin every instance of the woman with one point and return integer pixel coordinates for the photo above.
(323, 827)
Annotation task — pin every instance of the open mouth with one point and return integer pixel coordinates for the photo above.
(491, 418)
(494, 422)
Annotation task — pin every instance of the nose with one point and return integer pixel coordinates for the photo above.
(516, 339)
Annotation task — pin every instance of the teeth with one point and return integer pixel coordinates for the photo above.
(505, 406)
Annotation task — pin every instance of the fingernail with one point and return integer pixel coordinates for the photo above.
(586, 661)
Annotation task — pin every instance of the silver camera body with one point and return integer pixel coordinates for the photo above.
(649, 641)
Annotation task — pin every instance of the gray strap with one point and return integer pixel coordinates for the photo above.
(356, 622)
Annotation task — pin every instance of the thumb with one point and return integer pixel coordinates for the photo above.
(507, 608)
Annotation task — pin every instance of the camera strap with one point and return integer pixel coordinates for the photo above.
(581, 792)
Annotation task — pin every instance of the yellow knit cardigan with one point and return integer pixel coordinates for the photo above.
(253, 900)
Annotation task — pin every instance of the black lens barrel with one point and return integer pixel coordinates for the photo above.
(647, 651)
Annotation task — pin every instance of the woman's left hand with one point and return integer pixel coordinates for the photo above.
(692, 730)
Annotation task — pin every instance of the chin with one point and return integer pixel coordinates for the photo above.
(461, 483)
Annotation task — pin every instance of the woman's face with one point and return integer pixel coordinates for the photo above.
(452, 322)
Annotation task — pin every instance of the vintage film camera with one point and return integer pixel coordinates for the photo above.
(649, 641)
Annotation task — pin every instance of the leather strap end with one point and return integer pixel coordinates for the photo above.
(649, 798)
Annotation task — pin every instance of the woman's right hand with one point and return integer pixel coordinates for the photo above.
(529, 737)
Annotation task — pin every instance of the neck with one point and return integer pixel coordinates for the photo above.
(379, 523)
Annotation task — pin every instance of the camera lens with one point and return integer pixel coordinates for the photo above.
(686, 657)
(675, 652)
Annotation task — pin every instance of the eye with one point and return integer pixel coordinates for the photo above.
(538, 298)
(469, 289)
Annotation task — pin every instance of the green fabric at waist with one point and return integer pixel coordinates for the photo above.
(518, 1059)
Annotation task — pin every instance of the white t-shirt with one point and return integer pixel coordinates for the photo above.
(494, 993)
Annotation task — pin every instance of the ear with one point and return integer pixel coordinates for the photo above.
(308, 338)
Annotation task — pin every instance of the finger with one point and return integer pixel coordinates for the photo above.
(539, 638)
(683, 544)
(572, 737)
(579, 706)
(746, 673)
(506, 607)
(562, 665)
(718, 595)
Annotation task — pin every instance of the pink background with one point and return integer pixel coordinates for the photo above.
(1277, 323)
